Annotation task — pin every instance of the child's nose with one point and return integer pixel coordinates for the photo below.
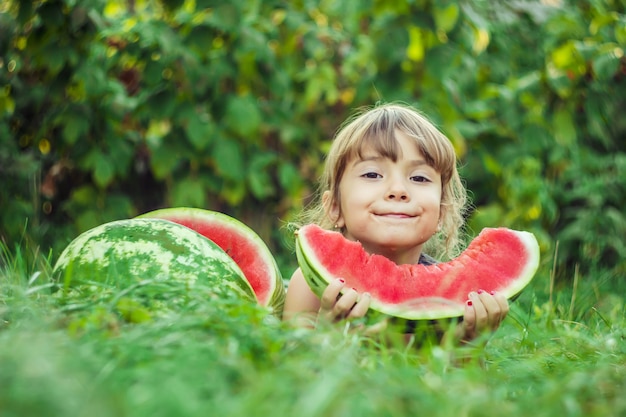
(397, 191)
(402, 196)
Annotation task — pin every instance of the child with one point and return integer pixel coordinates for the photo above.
(390, 182)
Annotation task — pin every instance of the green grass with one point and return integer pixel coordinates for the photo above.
(88, 354)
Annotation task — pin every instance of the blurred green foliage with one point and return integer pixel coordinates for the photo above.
(112, 108)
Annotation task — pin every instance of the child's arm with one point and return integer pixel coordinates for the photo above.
(304, 308)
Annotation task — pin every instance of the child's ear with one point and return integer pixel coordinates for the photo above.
(332, 210)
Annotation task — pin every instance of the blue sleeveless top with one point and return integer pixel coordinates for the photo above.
(426, 260)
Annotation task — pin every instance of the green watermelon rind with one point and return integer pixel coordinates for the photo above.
(277, 299)
(314, 278)
(153, 249)
(526, 275)
(318, 279)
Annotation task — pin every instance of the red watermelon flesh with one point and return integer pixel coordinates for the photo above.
(241, 243)
(498, 259)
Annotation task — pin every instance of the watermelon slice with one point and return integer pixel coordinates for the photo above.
(498, 259)
(241, 243)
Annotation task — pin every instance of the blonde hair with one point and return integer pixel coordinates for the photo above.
(375, 127)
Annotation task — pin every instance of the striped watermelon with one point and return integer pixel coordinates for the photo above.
(498, 259)
(241, 243)
(130, 252)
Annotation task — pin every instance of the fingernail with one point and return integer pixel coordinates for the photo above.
(469, 303)
(492, 292)
(480, 291)
(342, 280)
(354, 289)
(368, 294)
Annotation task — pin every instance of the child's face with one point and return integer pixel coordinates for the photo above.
(392, 208)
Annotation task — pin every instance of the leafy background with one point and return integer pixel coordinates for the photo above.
(112, 108)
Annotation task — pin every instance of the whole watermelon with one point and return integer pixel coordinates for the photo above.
(136, 253)
(241, 243)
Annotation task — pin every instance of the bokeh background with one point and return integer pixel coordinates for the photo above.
(111, 108)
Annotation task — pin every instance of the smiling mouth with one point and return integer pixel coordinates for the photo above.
(396, 215)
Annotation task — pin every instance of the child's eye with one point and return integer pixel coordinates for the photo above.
(372, 175)
(419, 178)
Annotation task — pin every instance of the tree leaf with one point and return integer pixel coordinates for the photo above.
(228, 160)
(243, 116)
(103, 172)
(564, 128)
(261, 183)
(289, 178)
(446, 18)
(234, 192)
(74, 126)
(163, 161)
(415, 51)
(188, 192)
(606, 65)
(200, 130)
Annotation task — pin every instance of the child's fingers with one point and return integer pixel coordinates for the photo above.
(496, 307)
(362, 305)
(466, 330)
(334, 305)
(344, 304)
(330, 294)
(483, 311)
(503, 303)
(482, 315)
(469, 318)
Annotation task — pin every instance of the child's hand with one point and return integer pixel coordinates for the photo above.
(335, 307)
(483, 313)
